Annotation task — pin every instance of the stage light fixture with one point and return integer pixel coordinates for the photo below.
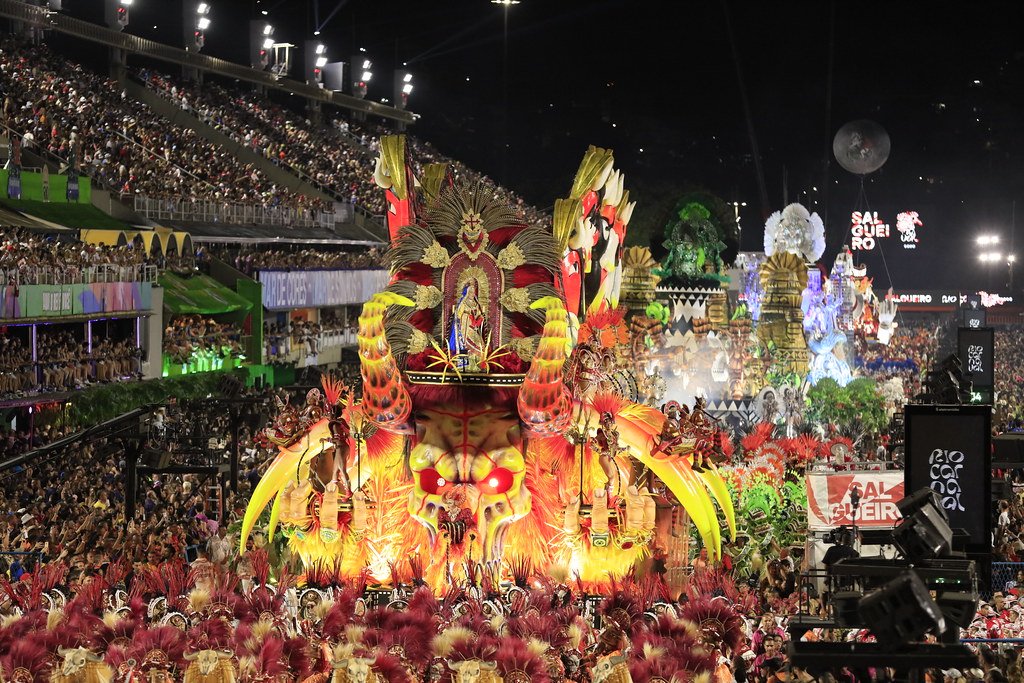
(845, 606)
(203, 23)
(203, 8)
(407, 78)
(268, 29)
(407, 88)
(367, 76)
(366, 64)
(126, 3)
(321, 49)
(321, 62)
(901, 612)
(268, 43)
(924, 534)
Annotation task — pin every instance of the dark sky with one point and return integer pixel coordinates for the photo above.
(945, 79)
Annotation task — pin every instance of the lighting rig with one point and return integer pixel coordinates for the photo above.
(892, 599)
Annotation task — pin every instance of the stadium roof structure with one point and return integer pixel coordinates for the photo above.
(55, 215)
(199, 295)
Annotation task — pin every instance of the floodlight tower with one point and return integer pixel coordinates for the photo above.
(361, 71)
(403, 88)
(196, 19)
(261, 42)
(316, 60)
(116, 13)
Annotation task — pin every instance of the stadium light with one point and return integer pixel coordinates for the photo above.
(321, 49)
(196, 25)
(360, 73)
(988, 239)
(126, 3)
(268, 29)
(505, 2)
(1011, 258)
(268, 43)
(407, 78)
(321, 62)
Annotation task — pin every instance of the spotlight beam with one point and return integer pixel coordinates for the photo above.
(320, 26)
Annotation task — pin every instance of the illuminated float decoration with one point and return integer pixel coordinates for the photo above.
(792, 237)
(483, 432)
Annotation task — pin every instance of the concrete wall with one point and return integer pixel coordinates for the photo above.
(153, 337)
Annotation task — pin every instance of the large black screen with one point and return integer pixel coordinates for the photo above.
(976, 350)
(948, 449)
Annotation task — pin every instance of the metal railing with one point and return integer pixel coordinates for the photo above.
(281, 346)
(45, 19)
(77, 275)
(209, 211)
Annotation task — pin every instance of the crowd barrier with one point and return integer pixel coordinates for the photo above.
(209, 211)
(1004, 573)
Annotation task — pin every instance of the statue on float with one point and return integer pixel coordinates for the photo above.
(792, 237)
(470, 423)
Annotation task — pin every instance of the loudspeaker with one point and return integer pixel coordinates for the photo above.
(230, 386)
(901, 612)
(157, 459)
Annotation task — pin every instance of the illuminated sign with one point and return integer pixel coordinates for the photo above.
(910, 298)
(949, 298)
(989, 300)
(907, 224)
(866, 228)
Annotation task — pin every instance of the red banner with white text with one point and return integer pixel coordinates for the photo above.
(829, 505)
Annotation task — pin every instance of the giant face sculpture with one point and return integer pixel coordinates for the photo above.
(468, 473)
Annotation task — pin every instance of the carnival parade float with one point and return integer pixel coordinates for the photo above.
(521, 489)
(502, 418)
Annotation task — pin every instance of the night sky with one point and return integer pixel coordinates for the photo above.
(657, 82)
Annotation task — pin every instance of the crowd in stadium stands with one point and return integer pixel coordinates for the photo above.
(60, 107)
(338, 158)
(187, 337)
(909, 355)
(309, 337)
(251, 261)
(64, 363)
(330, 160)
(31, 258)
(1009, 376)
(70, 505)
(17, 372)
